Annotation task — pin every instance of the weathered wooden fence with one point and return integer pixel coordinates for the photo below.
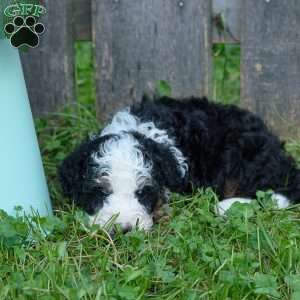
(138, 42)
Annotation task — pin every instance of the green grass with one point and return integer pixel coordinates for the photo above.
(192, 254)
(84, 73)
(253, 254)
(226, 73)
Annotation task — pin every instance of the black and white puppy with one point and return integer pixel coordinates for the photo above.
(153, 148)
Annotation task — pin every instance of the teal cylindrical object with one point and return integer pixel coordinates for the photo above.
(22, 178)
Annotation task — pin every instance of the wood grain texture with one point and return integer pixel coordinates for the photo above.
(139, 42)
(49, 68)
(271, 62)
(82, 19)
(231, 16)
(230, 10)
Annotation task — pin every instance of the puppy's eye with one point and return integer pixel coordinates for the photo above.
(103, 191)
(139, 192)
(106, 192)
(144, 191)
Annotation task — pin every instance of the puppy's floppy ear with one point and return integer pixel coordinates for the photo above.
(71, 171)
(165, 167)
(75, 168)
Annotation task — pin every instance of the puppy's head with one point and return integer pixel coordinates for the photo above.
(122, 176)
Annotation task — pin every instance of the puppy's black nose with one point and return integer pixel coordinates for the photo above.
(126, 228)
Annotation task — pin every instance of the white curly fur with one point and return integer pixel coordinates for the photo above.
(124, 169)
(124, 121)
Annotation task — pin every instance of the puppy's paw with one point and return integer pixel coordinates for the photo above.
(224, 205)
(281, 201)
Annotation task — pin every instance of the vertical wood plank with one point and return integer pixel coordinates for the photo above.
(82, 19)
(271, 62)
(49, 68)
(139, 42)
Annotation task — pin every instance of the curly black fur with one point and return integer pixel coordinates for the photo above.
(165, 169)
(76, 175)
(228, 148)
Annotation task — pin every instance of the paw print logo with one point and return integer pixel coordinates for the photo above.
(24, 32)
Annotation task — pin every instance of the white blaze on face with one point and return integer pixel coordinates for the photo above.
(122, 165)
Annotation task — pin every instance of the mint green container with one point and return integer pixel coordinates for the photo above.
(22, 178)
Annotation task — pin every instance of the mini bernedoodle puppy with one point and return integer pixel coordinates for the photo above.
(156, 147)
